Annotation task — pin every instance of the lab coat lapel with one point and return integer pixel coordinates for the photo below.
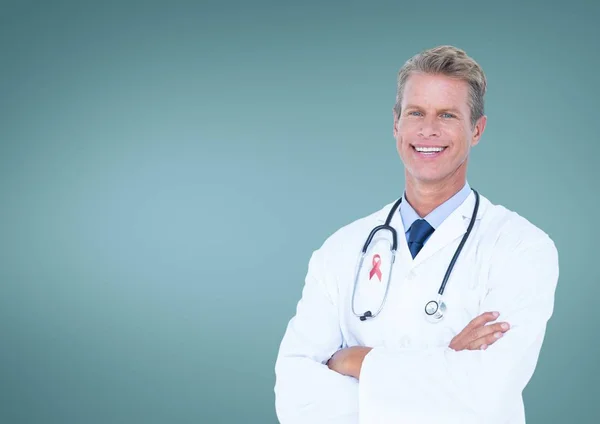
(403, 256)
(453, 227)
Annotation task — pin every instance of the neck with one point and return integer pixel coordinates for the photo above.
(424, 197)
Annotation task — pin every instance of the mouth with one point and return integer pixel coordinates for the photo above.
(429, 152)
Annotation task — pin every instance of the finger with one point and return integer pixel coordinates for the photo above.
(485, 341)
(482, 319)
(455, 344)
(476, 322)
(486, 335)
(480, 332)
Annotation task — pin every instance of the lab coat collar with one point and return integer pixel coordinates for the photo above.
(453, 227)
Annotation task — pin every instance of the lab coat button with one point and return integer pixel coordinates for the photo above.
(404, 341)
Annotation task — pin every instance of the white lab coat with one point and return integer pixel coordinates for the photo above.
(411, 375)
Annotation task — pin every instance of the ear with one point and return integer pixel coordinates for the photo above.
(478, 130)
(395, 117)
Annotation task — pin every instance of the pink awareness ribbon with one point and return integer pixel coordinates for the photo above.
(375, 270)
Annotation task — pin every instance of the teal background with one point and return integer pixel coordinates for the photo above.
(167, 169)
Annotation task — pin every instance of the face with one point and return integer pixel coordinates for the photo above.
(433, 132)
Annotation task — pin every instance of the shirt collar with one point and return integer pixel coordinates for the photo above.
(436, 216)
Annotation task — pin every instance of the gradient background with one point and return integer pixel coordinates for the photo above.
(167, 169)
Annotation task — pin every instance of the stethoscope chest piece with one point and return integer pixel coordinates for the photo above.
(434, 310)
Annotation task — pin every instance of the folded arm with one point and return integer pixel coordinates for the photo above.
(306, 390)
(477, 382)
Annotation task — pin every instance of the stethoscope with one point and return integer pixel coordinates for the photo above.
(434, 309)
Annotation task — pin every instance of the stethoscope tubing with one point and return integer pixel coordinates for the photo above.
(435, 315)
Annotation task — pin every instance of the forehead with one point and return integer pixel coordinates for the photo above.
(436, 90)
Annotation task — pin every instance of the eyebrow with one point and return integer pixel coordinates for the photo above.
(443, 109)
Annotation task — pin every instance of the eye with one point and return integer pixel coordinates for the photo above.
(414, 113)
(447, 115)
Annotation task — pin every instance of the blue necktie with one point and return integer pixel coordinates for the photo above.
(419, 232)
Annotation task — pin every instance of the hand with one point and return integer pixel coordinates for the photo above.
(478, 335)
(348, 361)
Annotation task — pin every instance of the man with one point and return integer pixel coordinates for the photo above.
(395, 366)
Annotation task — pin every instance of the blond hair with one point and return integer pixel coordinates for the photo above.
(452, 62)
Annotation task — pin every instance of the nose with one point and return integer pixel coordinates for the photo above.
(429, 128)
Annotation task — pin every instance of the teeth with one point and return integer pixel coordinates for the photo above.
(429, 149)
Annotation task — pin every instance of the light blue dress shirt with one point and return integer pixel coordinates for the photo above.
(438, 215)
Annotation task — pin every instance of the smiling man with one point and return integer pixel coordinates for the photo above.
(456, 294)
